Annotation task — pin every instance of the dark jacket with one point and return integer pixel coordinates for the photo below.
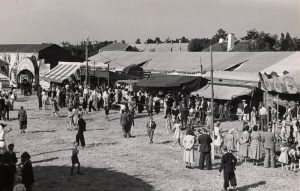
(124, 119)
(27, 175)
(22, 115)
(228, 163)
(205, 141)
(81, 125)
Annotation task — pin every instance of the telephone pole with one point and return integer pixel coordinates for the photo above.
(86, 60)
(212, 104)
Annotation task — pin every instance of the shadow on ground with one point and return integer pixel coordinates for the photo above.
(58, 178)
(251, 186)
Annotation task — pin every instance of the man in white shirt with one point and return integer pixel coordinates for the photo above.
(263, 113)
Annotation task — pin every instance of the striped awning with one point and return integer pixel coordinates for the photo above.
(62, 71)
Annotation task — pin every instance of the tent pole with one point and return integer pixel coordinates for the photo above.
(277, 114)
(212, 104)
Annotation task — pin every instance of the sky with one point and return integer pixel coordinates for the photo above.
(54, 21)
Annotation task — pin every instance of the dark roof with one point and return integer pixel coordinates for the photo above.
(26, 48)
(115, 47)
(218, 47)
(243, 46)
(160, 80)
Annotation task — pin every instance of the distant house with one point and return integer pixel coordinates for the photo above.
(118, 46)
(230, 44)
(28, 61)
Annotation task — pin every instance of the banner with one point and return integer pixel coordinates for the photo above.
(277, 85)
(290, 85)
(266, 82)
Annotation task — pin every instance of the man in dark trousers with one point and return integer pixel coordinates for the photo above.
(269, 141)
(205, 149)
(39, 95)
(228, 163)
(81, 129)
(22, 117)
(12, 161)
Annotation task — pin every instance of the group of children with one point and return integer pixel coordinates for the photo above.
(289, 152)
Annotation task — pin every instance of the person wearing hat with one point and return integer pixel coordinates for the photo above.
(27, 171)
(22, 117)
(3, 132)
(246, 111)
(205, 149)
(228, 163)
(269, 141)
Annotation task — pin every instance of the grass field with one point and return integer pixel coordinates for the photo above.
(110, 162)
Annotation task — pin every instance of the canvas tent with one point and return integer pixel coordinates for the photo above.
(224, 92)
(172, 82)
(63, 71)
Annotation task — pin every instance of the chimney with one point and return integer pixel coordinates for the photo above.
(230, 41)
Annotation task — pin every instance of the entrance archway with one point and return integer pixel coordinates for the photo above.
(25, 75)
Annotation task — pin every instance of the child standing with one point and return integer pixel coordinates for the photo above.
(292, 154)
(228, 163)
(19, 186)
(150, 128)
(177, 132)
(75, 159)
(84, 106)
(284, 158)
(54, 108)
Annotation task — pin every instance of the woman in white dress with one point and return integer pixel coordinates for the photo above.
(217, 137)
(188, 143)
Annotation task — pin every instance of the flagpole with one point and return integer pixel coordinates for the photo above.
(87, 66)
(212, 103)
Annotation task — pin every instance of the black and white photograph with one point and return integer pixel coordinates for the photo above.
(149, 95)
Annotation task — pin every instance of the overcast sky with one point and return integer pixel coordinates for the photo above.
(37, 21)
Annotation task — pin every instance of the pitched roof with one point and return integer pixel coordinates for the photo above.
(26, 48)
(163, 47)
(115, 47)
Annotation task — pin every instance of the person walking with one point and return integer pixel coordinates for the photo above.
(74, 159)
(228, 163)
(205, 149)
(269, 141)
(81, 130)
(255, 145)
(124, 121)
(22, 117)
(244, 143)
(151, 125)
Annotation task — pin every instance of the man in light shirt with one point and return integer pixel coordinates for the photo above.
(263, 113)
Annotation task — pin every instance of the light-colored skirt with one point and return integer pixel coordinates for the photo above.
(188, 156)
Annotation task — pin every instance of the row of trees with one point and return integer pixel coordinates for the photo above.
(256, 41)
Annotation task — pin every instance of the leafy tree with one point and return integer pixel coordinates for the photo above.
(184, 40)
(197, 45)
(138, 41)
(252, 34)
(220, 34)
(286, 42)
(157, 40)
(150, 41)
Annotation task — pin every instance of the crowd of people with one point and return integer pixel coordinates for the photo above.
(188, 118)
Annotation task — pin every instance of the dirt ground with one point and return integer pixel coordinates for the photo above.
(110, 162)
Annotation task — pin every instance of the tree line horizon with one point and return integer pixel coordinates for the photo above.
(257, 41)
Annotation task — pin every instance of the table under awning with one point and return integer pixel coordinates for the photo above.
(224, 92)
(62, 71)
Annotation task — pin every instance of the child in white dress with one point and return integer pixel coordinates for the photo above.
(19, 186)
(284, 158)
(177, 132)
